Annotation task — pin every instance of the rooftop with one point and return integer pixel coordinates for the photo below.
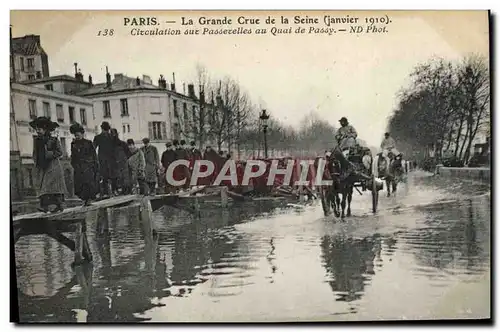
(27, 45)
(52, 79)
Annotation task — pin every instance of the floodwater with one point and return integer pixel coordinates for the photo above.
(425, 255)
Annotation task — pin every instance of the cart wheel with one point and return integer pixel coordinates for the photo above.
(374, 195)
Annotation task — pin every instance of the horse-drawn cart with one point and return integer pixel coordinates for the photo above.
(359, 177)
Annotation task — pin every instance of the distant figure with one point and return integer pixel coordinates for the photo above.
(168, 157)
(85, 165)
(195, 152)
(121, 153)
(182, 172)
(152, 165)
(49, 172)
(346, 135)
(137, 168)
(106, 154)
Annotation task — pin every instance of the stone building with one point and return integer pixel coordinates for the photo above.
(137, 108)
(29, 61)
(27, 103)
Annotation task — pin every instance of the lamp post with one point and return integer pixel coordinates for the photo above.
(264, 117)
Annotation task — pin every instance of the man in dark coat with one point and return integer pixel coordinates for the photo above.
(49, 172)
(195, 153)
(106, 155)
(152, 165)
(182, 153)
(85, 165)
(167, 158)
(122, 153)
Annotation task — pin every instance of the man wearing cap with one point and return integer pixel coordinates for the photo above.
(152, 159)
(388, 147)
(168, 157)
(104, 143)
(346, 135)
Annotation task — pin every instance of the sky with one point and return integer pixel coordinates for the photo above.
(357, 76)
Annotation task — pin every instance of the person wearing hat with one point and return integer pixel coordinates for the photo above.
(85, 165)
(182, 171)
(137, 168)
(104, 143)
(167, 158)
(48, 169)
(388, 147)
(346, 135)
(121, 158)
(152, 164)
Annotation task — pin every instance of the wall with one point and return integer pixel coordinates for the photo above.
(23, 75)
(471, 173)
(21, 94)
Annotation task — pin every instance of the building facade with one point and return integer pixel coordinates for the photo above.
(27, 103)
(139, 109)
(29, 60)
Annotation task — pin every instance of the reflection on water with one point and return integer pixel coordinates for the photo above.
(256, 263)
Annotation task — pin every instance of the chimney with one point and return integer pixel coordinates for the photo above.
(172, 86)
(79, 76)
(90, 80)
(184, 89)
(191, 93)
(108, 78)
(138, 81)
(162, 83)
(76, 69)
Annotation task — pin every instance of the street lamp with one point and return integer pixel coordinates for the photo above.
(264, 117)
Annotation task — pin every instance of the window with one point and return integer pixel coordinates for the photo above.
(124, 107)
(31, 63)
(176, 111)
(64, 147)
(21, 61)
(46, 110)
(59, 113)
(32, 108)
(155, 105)
(185, 111)
(71, 111)
(106, 108)
(177, 131)
(38, 74)
(31, 77)
(157, 130)
(126, 128)
(83, 116)
(49, 87)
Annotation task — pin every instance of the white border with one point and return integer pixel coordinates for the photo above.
(214, 4)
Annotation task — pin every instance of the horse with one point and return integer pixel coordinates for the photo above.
(330, 193)
(343, 181)
(394, 173)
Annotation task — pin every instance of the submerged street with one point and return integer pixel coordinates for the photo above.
(425, 255)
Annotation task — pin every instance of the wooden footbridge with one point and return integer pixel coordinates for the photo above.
(75, 220)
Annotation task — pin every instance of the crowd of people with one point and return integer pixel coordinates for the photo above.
(108, 166)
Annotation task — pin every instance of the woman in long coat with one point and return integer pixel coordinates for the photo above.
(48, 169)
(85, 165)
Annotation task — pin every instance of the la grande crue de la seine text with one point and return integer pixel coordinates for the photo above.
(243, 25)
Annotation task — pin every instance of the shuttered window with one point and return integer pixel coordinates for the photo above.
(157, 130)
